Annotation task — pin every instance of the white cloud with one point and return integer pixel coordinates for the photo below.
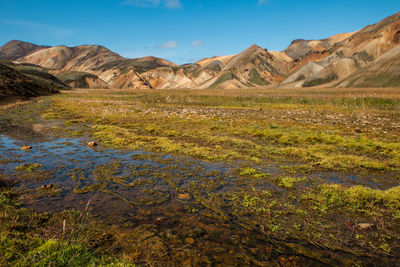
(197, 43)
(170, 4)
(169, 45)
(43, 29)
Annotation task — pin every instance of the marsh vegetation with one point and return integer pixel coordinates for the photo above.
(237, 177)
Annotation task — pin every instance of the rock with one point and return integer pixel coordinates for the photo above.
(184, 196)
(189, 241)
(26, 147)
(47, 186)
(92, 144)
(358, 131)
(364, 226)
(159, 220)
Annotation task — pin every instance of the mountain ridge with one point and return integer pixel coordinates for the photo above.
(303, 63)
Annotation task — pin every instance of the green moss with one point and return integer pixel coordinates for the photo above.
(251, 172)
(288, 181)
(28, 238)
(54, 252)
(97, 187)
(28, 167)
(123, 138)
(51, 115)
(356, 199)
(347, 162)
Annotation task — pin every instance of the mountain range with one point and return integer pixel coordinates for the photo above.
(369, 57)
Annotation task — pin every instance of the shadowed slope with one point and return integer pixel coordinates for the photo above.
(15, 83)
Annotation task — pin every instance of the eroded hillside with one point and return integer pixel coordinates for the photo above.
(337, 60)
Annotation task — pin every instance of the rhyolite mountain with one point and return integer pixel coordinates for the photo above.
(367, 57)
(335, 59)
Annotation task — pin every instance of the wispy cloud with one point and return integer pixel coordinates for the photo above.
(53, 31)
(169, 45)
(197, 43)
(170, 4)
(173, 4)
(264, 2)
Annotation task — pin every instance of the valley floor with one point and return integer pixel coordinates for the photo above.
(263, 177)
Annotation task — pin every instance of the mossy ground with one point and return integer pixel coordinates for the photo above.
(342, 132)
(28, 167)
(325, 133)
(70, 238)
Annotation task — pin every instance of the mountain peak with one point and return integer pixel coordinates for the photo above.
(15, 49)
(254, 47)
(18, 42)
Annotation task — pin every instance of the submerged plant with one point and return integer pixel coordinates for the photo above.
(28, 167)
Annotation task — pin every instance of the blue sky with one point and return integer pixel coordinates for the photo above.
(184, 30)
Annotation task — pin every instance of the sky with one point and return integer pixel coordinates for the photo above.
(184, 31)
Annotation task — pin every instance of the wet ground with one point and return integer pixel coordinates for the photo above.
(171, 206)
(131, 179)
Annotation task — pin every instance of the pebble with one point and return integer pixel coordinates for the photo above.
(364, 226)
(159, 220)
(189, 241)
(48, 186)
(184, 196)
